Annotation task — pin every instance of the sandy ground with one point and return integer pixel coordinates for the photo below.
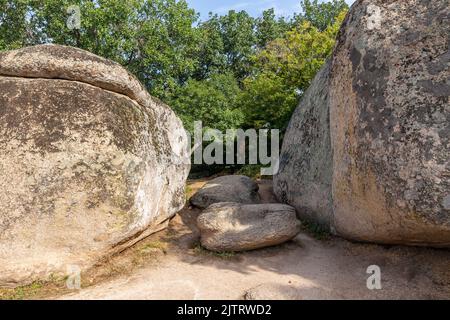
(305, 268)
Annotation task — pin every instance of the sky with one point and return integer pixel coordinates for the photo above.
(254, 7)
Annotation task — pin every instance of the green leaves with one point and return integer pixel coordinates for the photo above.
(269, 28)
(321, 14)
(154, 39)
(283, 71)
(212, 101)
(14, 33)
(229, 71)
(267, 102)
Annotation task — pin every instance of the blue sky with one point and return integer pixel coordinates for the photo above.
(254, 7)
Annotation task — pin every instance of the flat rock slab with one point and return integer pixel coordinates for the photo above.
(240, 227)
(239, 189)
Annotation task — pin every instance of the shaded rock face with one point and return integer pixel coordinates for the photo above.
(239, 189)
(305, 175)
(89, 161)
(239, 227)
(389, 127)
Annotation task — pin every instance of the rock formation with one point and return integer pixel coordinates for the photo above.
(367, 152)
(89, 161)
(239, 227)
(239, 189)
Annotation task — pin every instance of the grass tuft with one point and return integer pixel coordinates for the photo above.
(200, 250)
(29, 291)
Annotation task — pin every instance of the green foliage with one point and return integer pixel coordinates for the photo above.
(238, 36)
(269, 28)
(154, 245)
(228, 42)
(13, 28)
(318, 231)
(321, 14)
(201, 251)
(267, 101)
(22, 292)
(229, 71)
(283, 71)
(36, 289)
(154, 39)
(251, 170)
(212, 57)
(213, 101)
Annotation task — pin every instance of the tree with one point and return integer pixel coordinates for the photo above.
(212, 57)
(212, 101)
(223, 71)
(156, 40)
(321, 14)
(266, 101)
(14, 32)
(269, 28)
(284, 71)
(239, 40)
(228, 42)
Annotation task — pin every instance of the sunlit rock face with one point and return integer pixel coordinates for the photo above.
(232, 227)
(367, 152)
(239, 189)
(89, 161)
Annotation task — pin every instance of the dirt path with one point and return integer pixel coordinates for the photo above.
(175, 267)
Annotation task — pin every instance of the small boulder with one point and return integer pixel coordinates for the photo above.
(239, 227)
(239, 189)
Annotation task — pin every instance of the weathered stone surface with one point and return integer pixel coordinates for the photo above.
(305, 174)
(89, 161)
(60, 62)
(239, 189)
(389, 113)
(238, 227)
(273, 291)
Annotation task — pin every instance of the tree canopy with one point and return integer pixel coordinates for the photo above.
(283, 71)
(229, 71)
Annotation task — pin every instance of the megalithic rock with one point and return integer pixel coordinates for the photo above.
(367, 152)
(89, 161)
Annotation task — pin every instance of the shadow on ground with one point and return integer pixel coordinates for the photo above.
(172, 265)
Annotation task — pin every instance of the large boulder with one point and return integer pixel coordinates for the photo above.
(305, 176)
(367, 152)
(239, 189)
(239, 227)
(89, 162)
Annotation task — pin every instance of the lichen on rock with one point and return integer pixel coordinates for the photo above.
(389, 118)
(89, 161)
